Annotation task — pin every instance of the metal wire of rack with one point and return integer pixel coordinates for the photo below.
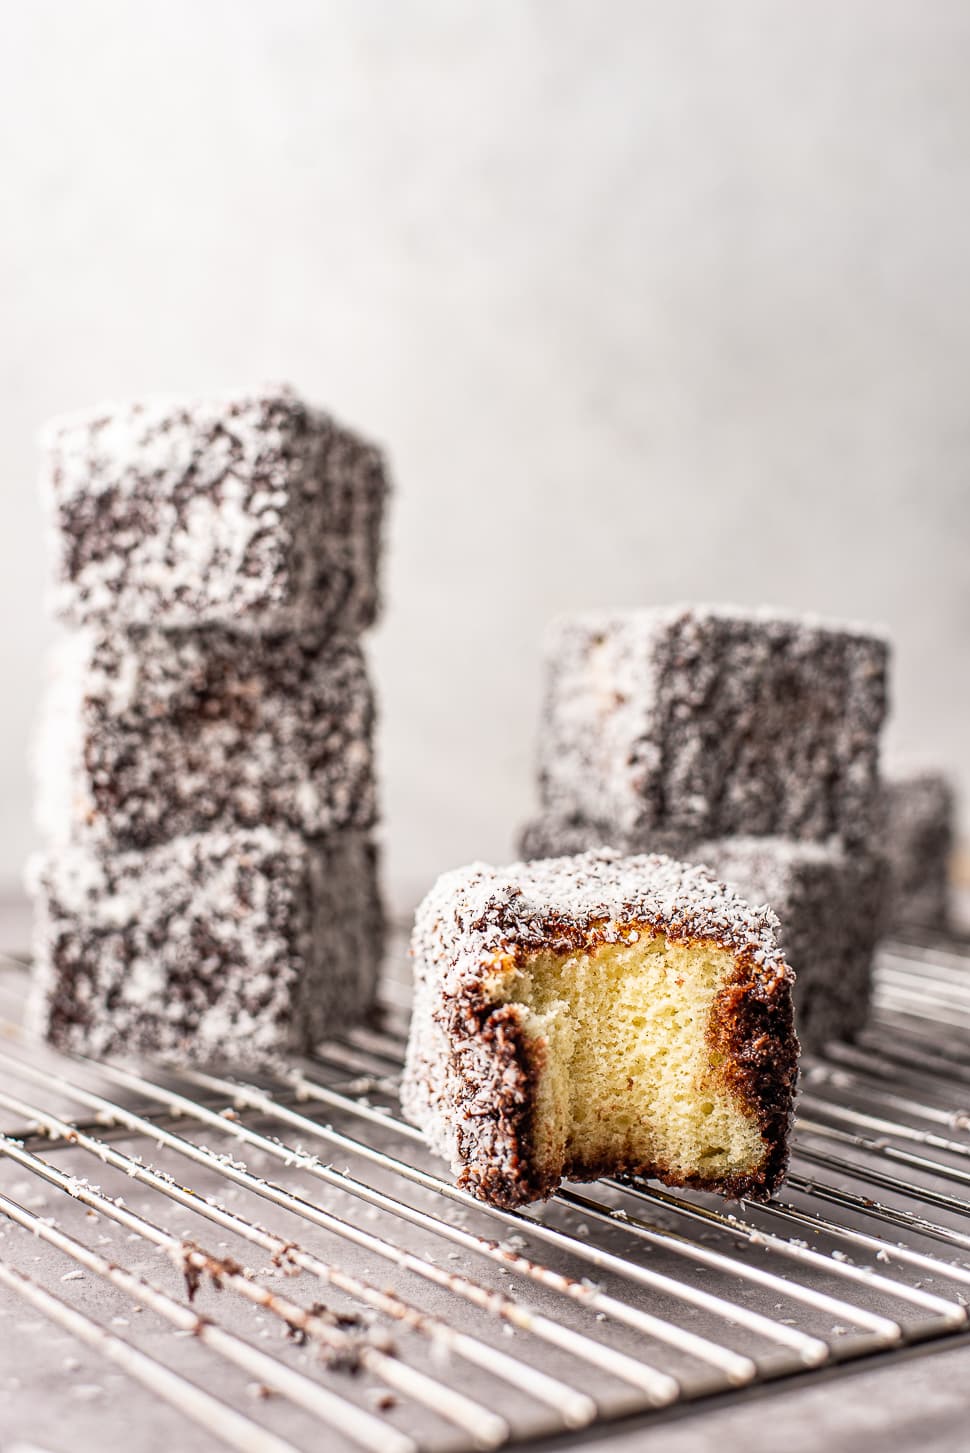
(298, 1261)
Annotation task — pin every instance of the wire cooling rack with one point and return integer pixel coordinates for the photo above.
(282, 1257)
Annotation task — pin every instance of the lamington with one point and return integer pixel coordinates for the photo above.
(252, 510)
(701, 722)
(149, 734)
(229, 946)
(596, 1015)
(918, 837)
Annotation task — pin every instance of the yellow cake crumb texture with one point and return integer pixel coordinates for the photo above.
(629, 1071)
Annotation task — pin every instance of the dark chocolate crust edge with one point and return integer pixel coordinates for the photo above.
(511, 1177)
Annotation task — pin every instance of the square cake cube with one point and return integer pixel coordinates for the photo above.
(253, 510)
(705, 722)
(918, 839)
(831, 906)
(599, 1015)
(225, 946)
(149, 734)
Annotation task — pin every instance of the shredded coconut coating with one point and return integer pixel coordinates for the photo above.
(148, 735)
(236, 947)
(919, 808)
(700, 722)
(554, 904)
(465, 1084)
(252, 510)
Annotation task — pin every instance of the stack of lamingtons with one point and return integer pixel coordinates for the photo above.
(206, 777)
(745, 741)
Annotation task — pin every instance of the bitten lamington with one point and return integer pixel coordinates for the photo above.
(150, 734)
(237, 946)
(600, 1015)
(253, 510)
(703, 722)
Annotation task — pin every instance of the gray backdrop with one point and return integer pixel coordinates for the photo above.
(648, 301)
